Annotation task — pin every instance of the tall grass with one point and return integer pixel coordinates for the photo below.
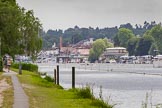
(86, 93)
(148, 102)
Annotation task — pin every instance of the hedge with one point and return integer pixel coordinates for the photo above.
(26, 66)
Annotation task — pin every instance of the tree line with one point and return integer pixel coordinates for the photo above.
(147, 44)
(150, 43)
(76, 34)
(19, 30)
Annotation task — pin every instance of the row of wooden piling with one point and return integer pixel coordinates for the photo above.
(56, 76)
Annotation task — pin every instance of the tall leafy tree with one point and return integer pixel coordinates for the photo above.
(153, 49)
(18, 30)
(156, 33)
(132, 45)
(10, 16)
(97, 49)
(116, 41)
(107, 43)
(92, 56)
(144, 45)
(30, 32)
(123, 36)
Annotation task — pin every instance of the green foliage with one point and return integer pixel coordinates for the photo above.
(101, 104)
(144, 44)
(76, 34)
(124, 35)
(44, 94)
(84, 93)
(132, 43)
(97, 49)
(92, 56)
(152, 49)
(49, 79)
(18, 30)
(52, 36)
(107, 43)
(25, 66)
(76, 38)
(10, 1)
(156, 33)
(116, 41)
(1, 64)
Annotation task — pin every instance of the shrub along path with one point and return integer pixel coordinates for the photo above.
(20, 98)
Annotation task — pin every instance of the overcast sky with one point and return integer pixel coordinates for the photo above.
(62, 14)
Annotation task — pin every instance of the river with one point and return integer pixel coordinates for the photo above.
(126, 89)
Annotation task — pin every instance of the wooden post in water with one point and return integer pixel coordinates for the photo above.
(57, 75)
(73, 77)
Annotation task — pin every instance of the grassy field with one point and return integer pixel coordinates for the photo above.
(44, 94)
(8, 93)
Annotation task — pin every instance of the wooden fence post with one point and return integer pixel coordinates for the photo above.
(57, 74)
(73, 77)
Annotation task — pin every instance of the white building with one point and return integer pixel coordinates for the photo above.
(114, 53)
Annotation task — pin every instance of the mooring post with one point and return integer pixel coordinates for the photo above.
(57, 75)
(73, 77)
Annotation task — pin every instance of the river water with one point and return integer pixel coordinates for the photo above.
(124, 89)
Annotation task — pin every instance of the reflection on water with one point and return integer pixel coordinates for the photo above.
(125, 90)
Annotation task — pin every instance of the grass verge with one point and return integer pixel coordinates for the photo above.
(44, 94)
(8, 93)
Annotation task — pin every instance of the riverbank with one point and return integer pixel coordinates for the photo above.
(121, 84)
(44, 94)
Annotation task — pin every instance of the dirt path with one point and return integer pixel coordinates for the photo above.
(3, 86)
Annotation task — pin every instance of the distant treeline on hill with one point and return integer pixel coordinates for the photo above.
(76, 34)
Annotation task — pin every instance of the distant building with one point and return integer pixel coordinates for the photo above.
(113, 53)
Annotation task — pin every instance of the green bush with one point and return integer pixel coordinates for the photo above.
(84, 93)
(49, 79)
(1, 64)
(25, 66)
(101, 104)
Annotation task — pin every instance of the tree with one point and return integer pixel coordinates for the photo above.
(144, 45)
(152, 49)
(97, 49)
(123, 36)
(132, 45)
(18, 30)
(10, 16)
(31, 41)
(107, 43)
(76, 38)
(92, 56)
(127, 26)
(116, 41)
(156, 33)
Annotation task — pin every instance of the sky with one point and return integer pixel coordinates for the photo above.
(63, 14)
